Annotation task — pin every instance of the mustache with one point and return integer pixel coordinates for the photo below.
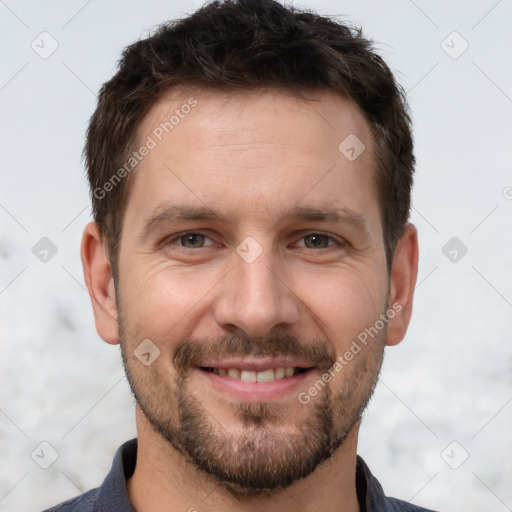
(190, 353)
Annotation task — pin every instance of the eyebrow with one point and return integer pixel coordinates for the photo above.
(171, 213)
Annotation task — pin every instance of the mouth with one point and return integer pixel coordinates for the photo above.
(256, 380)
(265, 375)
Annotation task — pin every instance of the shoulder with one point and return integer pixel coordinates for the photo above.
(83, 503)
(371, 494)
(397, 505)
(112, 494)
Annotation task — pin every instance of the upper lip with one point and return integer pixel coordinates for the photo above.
(256, 365)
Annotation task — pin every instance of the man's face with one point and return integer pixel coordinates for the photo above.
(252, 250)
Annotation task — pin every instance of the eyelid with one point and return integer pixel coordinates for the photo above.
(337, 240)
(340, 242)
(176, 236)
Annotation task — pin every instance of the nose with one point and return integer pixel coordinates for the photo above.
(255, 298)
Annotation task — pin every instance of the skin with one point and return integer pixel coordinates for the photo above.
(251, 158)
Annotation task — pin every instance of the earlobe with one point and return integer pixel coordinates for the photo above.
(99, 282)
(402, 284)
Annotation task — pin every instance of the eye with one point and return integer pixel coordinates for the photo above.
(191, 240)
(317, 241)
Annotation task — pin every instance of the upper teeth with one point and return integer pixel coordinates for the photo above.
(252, 376)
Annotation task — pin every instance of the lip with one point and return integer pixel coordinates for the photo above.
(256, 365)
(254, 391)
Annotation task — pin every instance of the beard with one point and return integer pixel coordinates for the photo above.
(272, 446)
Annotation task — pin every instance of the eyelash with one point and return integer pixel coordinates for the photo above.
(334, 241)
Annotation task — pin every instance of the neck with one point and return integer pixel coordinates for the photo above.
(164, 480)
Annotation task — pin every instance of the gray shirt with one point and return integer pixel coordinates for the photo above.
(112, 495)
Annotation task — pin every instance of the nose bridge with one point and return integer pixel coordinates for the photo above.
(258, 284)
(254, 299)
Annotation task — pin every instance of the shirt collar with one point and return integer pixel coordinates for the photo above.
(113, 494)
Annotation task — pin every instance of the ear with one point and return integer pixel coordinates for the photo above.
(402, 284)
(100, 283)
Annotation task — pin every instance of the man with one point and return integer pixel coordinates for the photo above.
(251, 169)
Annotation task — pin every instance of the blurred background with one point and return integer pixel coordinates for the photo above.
(438, 431)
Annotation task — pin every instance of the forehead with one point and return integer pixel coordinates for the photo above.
(260, 115)
(254, 153)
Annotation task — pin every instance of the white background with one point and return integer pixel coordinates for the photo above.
(450, 380)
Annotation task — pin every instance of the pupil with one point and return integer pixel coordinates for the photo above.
(193, 240)
(317, 240)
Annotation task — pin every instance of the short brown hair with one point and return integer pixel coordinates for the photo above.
(249, 44)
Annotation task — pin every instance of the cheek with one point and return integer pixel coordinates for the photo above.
(162, 302)
(343, 301)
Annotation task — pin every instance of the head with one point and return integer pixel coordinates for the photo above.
(251, 169)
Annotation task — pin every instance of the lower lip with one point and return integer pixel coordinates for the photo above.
(257, 391)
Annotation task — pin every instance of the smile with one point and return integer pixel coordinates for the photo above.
(266, 375)
(250, 379)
